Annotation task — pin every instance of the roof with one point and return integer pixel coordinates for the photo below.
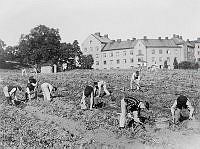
(179, 41)
(118, 45)
(102, 38)
(168, 43)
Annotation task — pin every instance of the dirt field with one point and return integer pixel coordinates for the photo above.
(61, 124)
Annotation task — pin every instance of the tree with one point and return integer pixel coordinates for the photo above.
(2, 52)
(175, 63)
(86, 61)
(165, 64)
(42, 44)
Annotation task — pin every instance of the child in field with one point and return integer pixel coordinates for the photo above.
(47, 89)
(182, 109)
(31, 88)
(135, 79)
(10, 93)
(93, 91)
(131, 107)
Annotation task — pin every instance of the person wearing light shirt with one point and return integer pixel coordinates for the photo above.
(47, 89)
(182, 102)
(135, 79)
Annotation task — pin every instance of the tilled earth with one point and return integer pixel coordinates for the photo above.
(62, 124)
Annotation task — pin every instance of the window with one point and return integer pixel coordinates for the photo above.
(104, 62)
(140, 59)
(131, 52)
(153, 59)
(168, 51)
(104, 54)
(160, 59)
(118, 61)
(97, 55)
(117, 53)
(124, 53)
(111, 54)
(139, 52)
(176, 51)
(97, 62)
(160, 51)
(90, 41)
(131, 60)
(111, 62)
(153, 51)
(168, 59)
(124, 60)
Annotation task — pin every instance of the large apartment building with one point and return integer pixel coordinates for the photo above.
(113, 54)
(196, 44)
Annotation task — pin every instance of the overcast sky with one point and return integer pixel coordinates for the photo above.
(76, 19)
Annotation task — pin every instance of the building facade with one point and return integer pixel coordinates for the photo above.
(114, 54)
(196, 44)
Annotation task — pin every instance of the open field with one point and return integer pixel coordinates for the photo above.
(61, 124)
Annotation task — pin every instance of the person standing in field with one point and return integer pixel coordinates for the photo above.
(136, 80)
(10, 93)
(182, 109)
(31, 88)
(47, 90)
(92, 92)
(131, 108)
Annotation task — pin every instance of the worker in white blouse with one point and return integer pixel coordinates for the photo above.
(182, 102)
(47, 90)
(135, 79)
(10, 93)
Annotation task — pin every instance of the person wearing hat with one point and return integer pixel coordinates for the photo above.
(31, 88)
(47, 90)
(131, 108)
(181, 104)
(136, 80)
(10, 93)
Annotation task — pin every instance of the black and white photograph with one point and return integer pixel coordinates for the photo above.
(99, 74)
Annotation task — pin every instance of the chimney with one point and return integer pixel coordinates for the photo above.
(118, 40)
(177, 36)
(113, 40)
(106, 35)
(198, 38)
(166, 38)
(128, 40)
(188, 40)
(180, 37)
(145, 37)
(159, 38)
(98, 33)
(174, 35)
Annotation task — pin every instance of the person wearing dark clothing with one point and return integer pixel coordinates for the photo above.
(31, 88)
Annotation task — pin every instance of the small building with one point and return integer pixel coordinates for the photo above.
(48, 68)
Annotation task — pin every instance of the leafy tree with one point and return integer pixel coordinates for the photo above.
(165, 64)
(175, 63)
(188, 65)
(2, 52)
(42, 44)
(86, 61)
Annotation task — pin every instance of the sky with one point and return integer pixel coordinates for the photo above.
(120, 19)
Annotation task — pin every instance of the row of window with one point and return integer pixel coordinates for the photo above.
(118, 61)
(161, 51)
(160, 59)
(91, 49)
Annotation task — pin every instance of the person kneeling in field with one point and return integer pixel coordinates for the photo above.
(9, 92)
(180, 109)
(131, 108)
(47, 90)
(136, 79)
(31, 88)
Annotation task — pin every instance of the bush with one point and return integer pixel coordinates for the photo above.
(188, 65)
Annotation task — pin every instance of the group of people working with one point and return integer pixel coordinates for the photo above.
(130, 106)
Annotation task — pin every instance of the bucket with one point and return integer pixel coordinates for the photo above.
(162, 123)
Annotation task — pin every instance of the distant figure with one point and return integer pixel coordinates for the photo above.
(10, 93)
(24, 71)
(131, 108)
(31, 88)
(182, 109)
(47, 89)
(101, 84)
(136, 80)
